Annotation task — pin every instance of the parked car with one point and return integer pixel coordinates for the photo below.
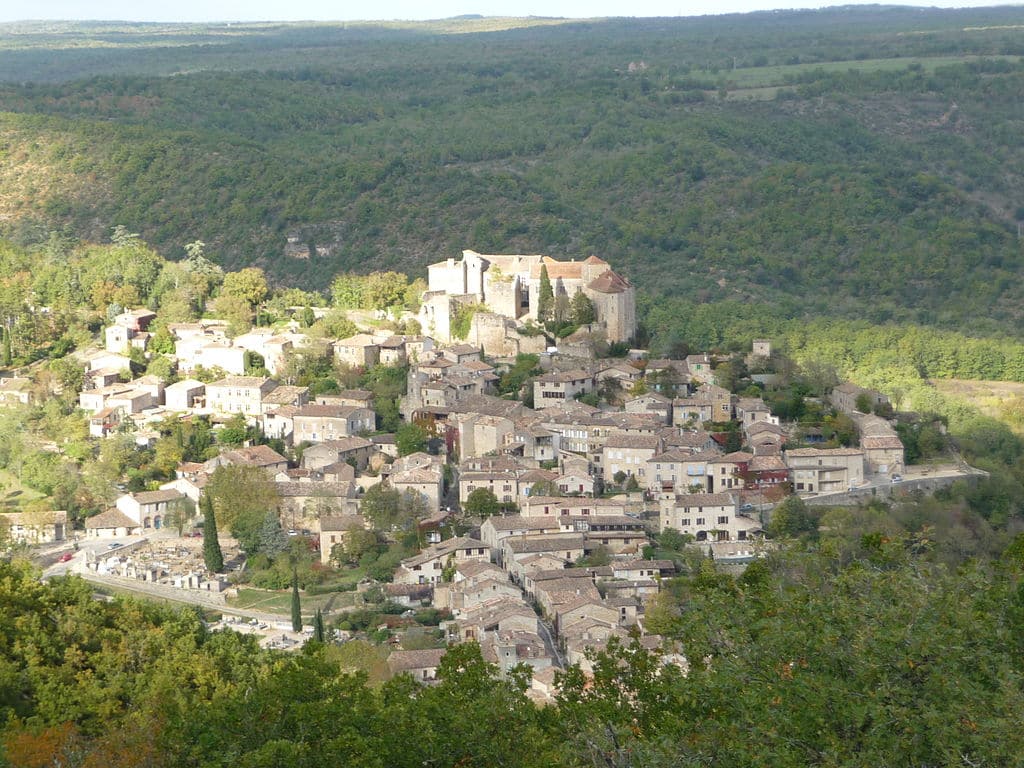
(897, 478)
(746, 508)
(65, 557)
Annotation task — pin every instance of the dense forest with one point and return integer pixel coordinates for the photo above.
(856, 162)
(863, 650)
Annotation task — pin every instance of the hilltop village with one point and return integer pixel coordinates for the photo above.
(536, 479)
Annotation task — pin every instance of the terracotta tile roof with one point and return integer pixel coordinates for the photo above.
(610, 282)
(405, 661)
(876, 442)
(112, 518)
(640, 442)
(558, 270)
(704, 500)
(155, 497)
(824, 452)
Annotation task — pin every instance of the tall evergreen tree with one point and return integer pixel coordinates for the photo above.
(296, 604)
(6, 361)
(318, 627)
(212, 556)
(546, 297)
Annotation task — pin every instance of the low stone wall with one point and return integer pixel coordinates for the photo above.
(927, 485)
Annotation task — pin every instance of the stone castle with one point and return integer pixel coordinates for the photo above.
(509, 286)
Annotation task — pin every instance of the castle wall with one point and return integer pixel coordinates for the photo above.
(448, 276)
(436, 315)
(617, 312)
(501, 293)
(476, 265)
(491, 331)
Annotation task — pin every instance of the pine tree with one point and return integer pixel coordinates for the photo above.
(212, 556)
(546, 297)
(296, 604)
(318, 627)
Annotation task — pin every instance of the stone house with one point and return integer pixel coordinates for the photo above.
(460, 353)
(552, 389)
(318, 423)
(44, 527)
(722, 401)
(239, 394)
(113, 523)
(678, 470)
(845, 396)
(359, 397)
(752, 410)
(481, 434)
(15, 390)
(569, 546)
(629, 454)
(705, 516)
(421, 665)
(766, 472)
(825, 470)
(184, 395)
(355, 450)
(691, 411)
(653, 404)
(104, 422)
(503, 484)
(196, 353)
(571, 506)
(576, 483)
(428, 566)
(358, 351)
(262, 456)
(884, 454)
(272, 346)
(427, 481)
(148, 509)
(495, 529)
(728, 471)
(334, 529)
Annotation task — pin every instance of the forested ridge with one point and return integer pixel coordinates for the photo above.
(851, 162)
(863, 651)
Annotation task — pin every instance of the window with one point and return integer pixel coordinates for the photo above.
(685, 521)
(700, 521)
(723, 519)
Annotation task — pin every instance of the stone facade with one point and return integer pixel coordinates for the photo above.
(509, 285)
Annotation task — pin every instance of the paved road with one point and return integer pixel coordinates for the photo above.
(549, 643)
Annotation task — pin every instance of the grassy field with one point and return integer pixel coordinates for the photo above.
(281, 602)
(1003, 400)
(12, 493)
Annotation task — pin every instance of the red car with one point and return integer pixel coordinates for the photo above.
(65, 557)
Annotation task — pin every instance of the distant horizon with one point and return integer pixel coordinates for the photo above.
(249, 11)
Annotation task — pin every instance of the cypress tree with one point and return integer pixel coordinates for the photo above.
(212, 556)
(296, 605)
(546, 297)
(318, 627)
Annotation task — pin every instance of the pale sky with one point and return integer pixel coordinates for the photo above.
(326, 10)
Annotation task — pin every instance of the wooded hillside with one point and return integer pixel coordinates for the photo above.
(855, 162)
